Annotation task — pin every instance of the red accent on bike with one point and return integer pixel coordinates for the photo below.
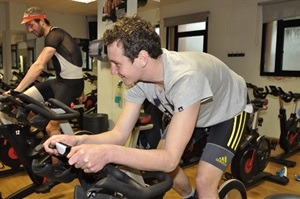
(145, 120)
(12, 154)
(292, 138)
(44, 180)
(89, 103)
(249, 163)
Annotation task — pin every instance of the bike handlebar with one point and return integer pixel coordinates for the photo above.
(43, 112)
(89, 77)
(258, 92)
(120, 182)
(50, 114)
(278, 92)
(113, 179)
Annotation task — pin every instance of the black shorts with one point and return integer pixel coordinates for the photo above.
(64, 90)
(223, 140)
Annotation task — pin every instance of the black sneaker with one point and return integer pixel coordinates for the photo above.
(47, 186)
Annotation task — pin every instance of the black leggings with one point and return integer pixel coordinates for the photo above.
(64, 90)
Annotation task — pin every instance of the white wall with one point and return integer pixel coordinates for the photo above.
(236, 26)
(107, 84)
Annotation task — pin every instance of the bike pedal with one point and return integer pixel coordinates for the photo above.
(228, 176)
(273, 144)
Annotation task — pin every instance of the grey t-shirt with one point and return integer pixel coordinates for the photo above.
(190, 77)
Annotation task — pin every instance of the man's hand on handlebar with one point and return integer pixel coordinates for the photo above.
(51, 142)
(10, 92)
(91, 158)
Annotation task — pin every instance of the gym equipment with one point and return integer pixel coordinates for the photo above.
(97, 50)
(89, 106)
(110, 180)
(289, 128)
(283, 196)
(116, 184)
(254, 152)
(8, 157)
(25, 144)
(46, 75)
(149, 139)
(95, 122)
(232, 188)
(143, 123)
(193, 151)
(4, 86)
(22, 141)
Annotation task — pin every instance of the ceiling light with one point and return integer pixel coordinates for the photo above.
(84, 1)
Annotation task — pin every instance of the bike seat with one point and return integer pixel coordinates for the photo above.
(143, 119)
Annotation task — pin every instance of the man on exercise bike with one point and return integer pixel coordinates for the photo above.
(196, 89)
(66, 58)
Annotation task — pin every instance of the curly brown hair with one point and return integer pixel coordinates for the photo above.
(135, 34)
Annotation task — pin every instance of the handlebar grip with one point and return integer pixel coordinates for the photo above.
(48, 113)
(286, 97)
(11, 99)
(29, 100)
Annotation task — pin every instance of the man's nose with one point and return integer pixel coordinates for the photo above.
(113, 70)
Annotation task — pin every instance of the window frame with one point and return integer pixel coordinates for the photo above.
(178, 35)
(278, 69)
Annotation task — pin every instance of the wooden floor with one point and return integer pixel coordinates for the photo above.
(10, 184)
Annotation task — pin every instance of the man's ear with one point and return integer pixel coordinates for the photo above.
(43, 21)
(143, 58)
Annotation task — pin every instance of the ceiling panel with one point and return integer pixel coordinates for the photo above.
(71, 7)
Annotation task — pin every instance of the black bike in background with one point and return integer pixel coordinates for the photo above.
(289, 126)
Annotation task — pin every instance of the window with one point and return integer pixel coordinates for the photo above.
(280, 52)
(188, 32)
(191, 37)
(14, 57)
(281, 48)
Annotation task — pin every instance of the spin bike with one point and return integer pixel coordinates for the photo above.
(112, 182)
(289, 127)
(3, 85)
(89, 106)
(115, 181)
(254, 151)
(8, 157)
(25, 144)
